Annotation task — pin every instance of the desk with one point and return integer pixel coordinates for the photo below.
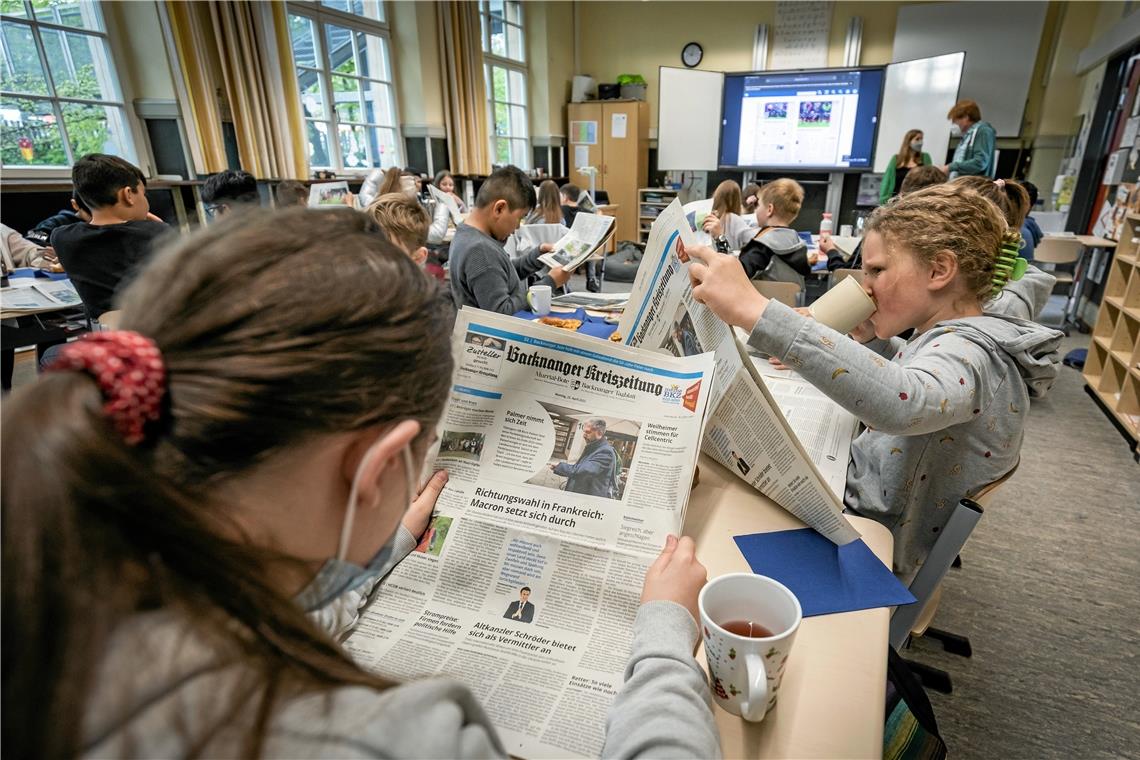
(834, 691)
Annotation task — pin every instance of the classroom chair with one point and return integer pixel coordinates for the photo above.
(108, 320)
(837, 275)
(915, 619)
(787, 293)
(1060, 250)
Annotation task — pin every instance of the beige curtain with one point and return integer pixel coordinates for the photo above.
(243, 47)
(464, 91)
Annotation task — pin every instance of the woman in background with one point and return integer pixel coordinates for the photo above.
(549, 208)
(909, 156)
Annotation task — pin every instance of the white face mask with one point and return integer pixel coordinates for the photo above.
(916, 146)
(338, 576)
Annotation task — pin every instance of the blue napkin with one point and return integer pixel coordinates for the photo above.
(825, 578)
(597, 327)
(29, 272)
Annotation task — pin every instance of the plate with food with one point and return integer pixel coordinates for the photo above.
(561, 323)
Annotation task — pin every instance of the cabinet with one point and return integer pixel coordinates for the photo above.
(651, 201)
(613, 137)
(1112, 368)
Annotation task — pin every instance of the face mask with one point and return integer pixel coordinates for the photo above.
(338, 576)
(916, 146)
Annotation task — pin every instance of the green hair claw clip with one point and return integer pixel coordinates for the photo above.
(1009, 266)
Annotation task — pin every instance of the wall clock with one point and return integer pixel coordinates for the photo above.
(692, 54)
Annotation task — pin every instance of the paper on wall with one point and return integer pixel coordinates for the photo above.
(618, 124)
(581, 156)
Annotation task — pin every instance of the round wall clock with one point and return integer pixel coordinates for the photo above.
(692, 54)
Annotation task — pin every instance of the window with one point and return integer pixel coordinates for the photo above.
(340, 48)
(59, 96)
(504, 56)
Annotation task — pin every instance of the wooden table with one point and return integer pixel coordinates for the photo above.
(610, 209)
(834, 690)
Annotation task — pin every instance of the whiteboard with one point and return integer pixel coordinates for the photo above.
(1000, 40)
(916, 95)
(688, 119)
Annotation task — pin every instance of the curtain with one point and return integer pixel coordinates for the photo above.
(464, 89)
(243, 48)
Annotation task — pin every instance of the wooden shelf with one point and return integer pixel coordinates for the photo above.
(1103, 341)
(1117, 301)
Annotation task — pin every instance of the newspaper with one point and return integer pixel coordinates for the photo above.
(447, 200)
(40, 295)
(589, 233)
(327, 194)
(595, 301)
(527, 582)
(696, 212)
(746, 430)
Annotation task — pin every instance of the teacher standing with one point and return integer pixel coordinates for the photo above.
(909, 156)
(975, 153)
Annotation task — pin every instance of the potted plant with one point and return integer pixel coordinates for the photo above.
(632, 86)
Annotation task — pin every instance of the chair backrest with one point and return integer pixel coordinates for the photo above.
(786, 293)
(1057, 250)
(838, 275)
(109, 320)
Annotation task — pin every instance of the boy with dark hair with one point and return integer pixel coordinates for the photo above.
(292, 193)
(101, 255)
(1031, 233)
(570, 207)
(482, 274)
(228, 191)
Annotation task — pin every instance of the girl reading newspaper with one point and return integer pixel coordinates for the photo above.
(241, 453)
(944, 410)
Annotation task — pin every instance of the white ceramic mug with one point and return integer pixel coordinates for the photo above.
(540, 299)
(746, 672)
(843, 307)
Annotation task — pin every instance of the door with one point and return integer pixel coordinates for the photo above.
(585, 140)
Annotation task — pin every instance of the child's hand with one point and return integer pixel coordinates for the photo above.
(676, 576)
(418, 516)
(546, 248)
(559, 275)
(720, 283)
(713, 226)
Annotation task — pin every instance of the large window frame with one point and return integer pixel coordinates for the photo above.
(63, 107)
(337, 119)
(507, 74)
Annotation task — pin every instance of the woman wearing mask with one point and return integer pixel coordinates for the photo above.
(909, 156)
(245, 451)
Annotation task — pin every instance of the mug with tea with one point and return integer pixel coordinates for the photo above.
(748, 623)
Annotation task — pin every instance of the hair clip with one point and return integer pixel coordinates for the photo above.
(1000, 183)
(1008, 266)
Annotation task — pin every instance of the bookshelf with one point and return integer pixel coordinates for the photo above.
(1112, 368)
(651, 201)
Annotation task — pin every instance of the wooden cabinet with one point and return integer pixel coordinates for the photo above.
(1112, 368)
(613, 137)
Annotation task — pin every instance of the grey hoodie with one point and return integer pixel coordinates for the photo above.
(944, 411)
(771, 259)
(1024, 298)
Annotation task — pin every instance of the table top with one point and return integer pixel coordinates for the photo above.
(834, 690)
(1092, 241)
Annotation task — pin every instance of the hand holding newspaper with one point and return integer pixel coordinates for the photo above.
(746, 432)
(589, 233)
(570, 460)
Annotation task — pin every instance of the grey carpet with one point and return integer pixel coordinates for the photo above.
(1049, 594)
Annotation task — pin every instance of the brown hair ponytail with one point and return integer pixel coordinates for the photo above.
(274, 328)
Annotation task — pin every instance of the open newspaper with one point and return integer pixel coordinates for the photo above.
(746, 430)
(695, 213)
(528, 581)
(39, 295)
(449, 201)
(585, 238)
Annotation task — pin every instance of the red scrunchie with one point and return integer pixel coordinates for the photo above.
(128, 368)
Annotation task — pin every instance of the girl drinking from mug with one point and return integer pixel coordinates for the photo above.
(242, 452)
(944, 410)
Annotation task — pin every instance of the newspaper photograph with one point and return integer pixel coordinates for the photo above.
(747, 431)
(586, 237)
(327, 194)
(695, 213)
(570, 460)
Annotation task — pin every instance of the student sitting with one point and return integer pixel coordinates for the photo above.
(945, 410)
(17, 251)
(774, 251)
(396, 180)
(229, 191)
(41, 233)
(573, 201)
(727, 199)
(569, 194)
(405, 222)
(751, 197)
(101, 255)
(243, 451)
(1031, 233)
(549, 209)
(290, 192)
(445, 183)
(482, 274)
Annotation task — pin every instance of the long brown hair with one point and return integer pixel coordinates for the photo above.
(391, 182)
(907, 154)
(549, 205)
(274, 328)
(727, 199)
(1009, 196)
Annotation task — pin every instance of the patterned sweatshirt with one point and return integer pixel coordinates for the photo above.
(944, 411)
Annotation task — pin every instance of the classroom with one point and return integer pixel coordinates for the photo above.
(570, 378)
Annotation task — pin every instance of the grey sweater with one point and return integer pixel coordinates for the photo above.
(944, 411)
(162, 689)
(1024, 298)
(484, 276)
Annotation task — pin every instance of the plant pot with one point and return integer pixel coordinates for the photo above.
(633, 92)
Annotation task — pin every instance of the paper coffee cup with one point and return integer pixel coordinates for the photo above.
(844, 306)
(746, 670)
(539, 299)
